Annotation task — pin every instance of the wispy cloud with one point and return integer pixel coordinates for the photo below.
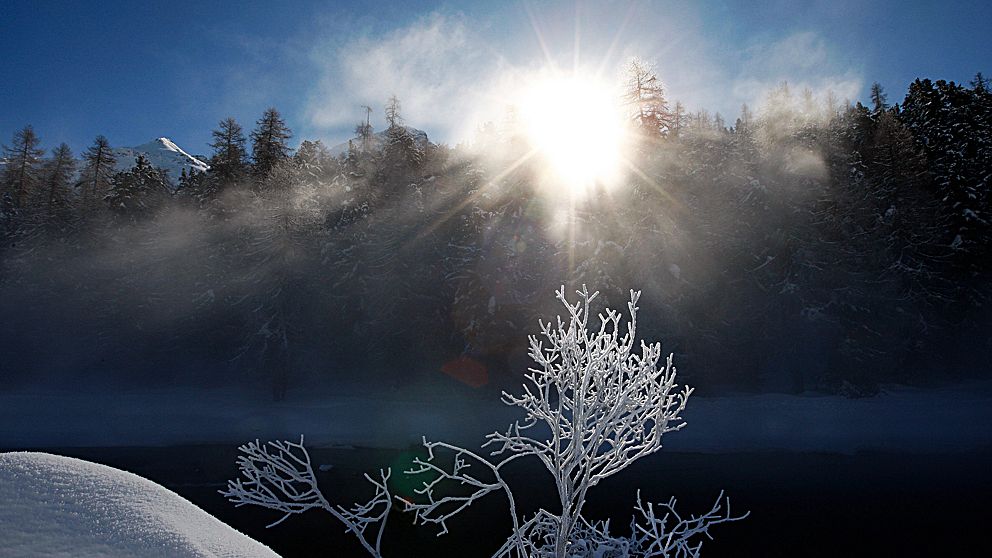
(436, 66)
(804, 60)
(451, 74)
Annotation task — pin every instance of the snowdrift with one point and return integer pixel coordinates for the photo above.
(53, 506)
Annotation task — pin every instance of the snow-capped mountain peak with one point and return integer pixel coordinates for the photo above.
(161, 153)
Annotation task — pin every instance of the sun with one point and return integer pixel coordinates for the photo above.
(575, 124)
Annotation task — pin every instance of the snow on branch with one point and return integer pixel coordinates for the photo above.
(605, 406)
(278, 475)
(437, 510)
(592, 406)
(670, 534)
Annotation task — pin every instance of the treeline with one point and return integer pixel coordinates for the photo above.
(812, 245)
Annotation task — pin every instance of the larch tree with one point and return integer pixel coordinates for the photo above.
(401, 147)
(644, 94)
(23, 158)
(679, 118)
(269, 141)
(98, 170)
(393, 109)
(230, 158)
(58, 172)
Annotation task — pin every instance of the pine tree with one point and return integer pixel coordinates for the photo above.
(230, 158)
(269, 141)
(907, 209)
(878, 99)
(23, 164)
(980, 84)
(98, 170)
(312, 155)
(951, 124)
(58, 173)
(139, 191)
(401, 147)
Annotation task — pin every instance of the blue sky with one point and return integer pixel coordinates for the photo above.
(134, 71)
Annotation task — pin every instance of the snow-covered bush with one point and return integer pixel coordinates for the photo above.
(279, 476)
(592, 406)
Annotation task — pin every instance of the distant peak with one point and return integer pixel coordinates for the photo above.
(164, 154)
(168, 144)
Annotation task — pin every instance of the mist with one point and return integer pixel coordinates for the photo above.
(773, 254)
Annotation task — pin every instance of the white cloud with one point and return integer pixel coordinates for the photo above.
(804, 60)
(452, 73)
(437, 67)
(797, 53)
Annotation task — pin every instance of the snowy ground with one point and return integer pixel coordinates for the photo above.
(56, 506)
(949, 419)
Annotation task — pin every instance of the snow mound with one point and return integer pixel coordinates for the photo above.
(163, 154)
(53, 506)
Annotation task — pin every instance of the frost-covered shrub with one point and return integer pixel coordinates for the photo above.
(279, 476)
(592, 406)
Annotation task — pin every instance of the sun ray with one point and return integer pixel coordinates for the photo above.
(576, 56)
(539, 35)
(652, 183)
(433, 225)
(607, 57)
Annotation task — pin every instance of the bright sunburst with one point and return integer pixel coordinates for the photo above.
(575, 124)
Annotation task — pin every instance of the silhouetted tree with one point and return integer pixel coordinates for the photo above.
(139, 191)
(98, 170)
(878, 99)
(229, 160)
(58, 174)
(269, 139)
(401, 148)
(23, 158)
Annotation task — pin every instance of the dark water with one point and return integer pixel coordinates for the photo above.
(801, 504)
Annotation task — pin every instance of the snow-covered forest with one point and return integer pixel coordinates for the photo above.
(476, 279)
(806, 244)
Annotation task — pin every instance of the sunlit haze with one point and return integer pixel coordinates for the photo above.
(307, 266)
